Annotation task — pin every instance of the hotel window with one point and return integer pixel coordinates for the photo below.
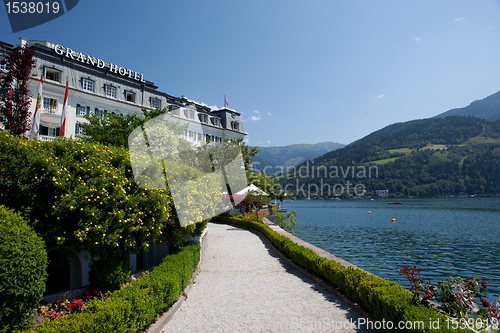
(99, 113)
(130, 96)
(52, 75)
(235, 125)
(82, 110)
(216, 121)
(155, 103)
(3, 67)
(49, 131)
(49, 105)
(78, 129)
(110, 91)
(199, 136)
(189, 114)
(88, 85)
(203, 118)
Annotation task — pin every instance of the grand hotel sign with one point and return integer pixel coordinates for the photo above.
(86, 59)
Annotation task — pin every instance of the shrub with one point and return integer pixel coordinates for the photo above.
(23, 264)
(109, 272)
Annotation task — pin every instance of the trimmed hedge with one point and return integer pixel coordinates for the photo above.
(382, 299)
(133, 308)
(23, 265)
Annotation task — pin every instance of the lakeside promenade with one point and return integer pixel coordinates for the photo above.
(244, 286)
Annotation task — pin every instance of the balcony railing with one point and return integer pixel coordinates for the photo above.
(46, 138)
(49, 109)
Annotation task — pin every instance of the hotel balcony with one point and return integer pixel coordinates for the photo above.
(50, 116)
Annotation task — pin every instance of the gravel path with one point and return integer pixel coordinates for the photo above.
(244, 286)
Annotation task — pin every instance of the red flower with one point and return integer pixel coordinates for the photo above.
(486, 304)
(484, 284)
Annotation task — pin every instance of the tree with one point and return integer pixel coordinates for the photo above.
(287, 222)
(114, 129)
(246, 151)
(255, 200)
(15, 96)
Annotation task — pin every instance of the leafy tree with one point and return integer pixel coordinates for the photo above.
(256, 201)
(114, 129)
(14, 92)
(286, 222)
(247, 152)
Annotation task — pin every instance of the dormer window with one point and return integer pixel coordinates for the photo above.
(110, 91)
(189, 114)
(130, 96)
(204, 118)
(155, 103)
(88, 85)
(235, 126)
(216, 121)
(52, 75)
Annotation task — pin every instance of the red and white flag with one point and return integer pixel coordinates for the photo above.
(225, 101)
(62, 131)
(35, 125)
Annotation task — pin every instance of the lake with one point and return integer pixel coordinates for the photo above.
(442, 236)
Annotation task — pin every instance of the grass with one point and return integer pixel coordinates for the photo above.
(477, 140)
(384, 161)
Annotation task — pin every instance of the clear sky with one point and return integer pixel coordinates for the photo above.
(298, 71)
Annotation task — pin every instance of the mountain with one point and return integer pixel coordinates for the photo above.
(420, 158)
(272, 158)
(487, 108)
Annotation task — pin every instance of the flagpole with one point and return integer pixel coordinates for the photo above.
(62, 130)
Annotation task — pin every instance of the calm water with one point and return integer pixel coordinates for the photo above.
(441, 236)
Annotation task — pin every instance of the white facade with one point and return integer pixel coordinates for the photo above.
(97, 86)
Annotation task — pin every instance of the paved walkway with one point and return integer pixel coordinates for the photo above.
(243, 286)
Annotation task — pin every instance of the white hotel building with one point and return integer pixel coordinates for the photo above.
(97, 87)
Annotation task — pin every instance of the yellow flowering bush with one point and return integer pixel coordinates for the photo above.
(84, 195)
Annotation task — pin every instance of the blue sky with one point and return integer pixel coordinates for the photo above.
(299, 72)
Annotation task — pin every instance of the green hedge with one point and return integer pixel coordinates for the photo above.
(382, 299)
(23, 264)
(133, 308)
